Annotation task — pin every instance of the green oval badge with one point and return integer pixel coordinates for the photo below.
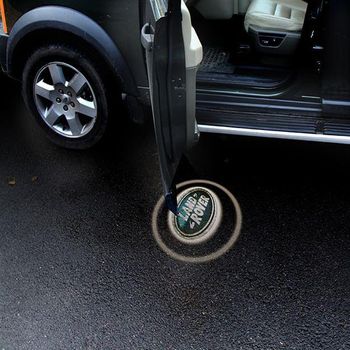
(198, 214)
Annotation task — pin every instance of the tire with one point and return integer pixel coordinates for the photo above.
(87, 109)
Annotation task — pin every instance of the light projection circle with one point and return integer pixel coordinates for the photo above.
(207, 227)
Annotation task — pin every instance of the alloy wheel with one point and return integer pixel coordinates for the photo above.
(65, 100)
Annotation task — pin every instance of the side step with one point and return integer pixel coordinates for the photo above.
(271, 118)
(274, 134)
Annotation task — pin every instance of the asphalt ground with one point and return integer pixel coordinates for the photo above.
(80, 269)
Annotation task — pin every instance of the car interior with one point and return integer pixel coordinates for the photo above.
(257, 44)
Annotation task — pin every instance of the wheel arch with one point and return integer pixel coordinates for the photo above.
(72, 27)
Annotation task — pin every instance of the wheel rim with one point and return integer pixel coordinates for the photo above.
(65, 100)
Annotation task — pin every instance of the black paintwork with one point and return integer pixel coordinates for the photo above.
(120, 19)
(3, 45)
(65, 21)
(336, 72)
(74, 23)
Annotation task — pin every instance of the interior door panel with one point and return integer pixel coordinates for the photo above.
(173, 54)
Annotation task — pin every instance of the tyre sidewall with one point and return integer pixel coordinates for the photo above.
(60, 53)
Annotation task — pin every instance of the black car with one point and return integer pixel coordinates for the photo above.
(267, 68)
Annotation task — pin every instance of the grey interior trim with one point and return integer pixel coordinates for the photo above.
(274, 134)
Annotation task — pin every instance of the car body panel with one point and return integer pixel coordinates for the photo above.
(336, 62)
(120, 20)
(75, 23)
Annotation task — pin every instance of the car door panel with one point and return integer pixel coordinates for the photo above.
(173, 54)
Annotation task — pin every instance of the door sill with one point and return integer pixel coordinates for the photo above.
(274, 134)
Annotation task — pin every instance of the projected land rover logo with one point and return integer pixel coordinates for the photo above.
(207, 227)
(198, 211)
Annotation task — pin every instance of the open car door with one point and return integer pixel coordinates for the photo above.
(173, 54)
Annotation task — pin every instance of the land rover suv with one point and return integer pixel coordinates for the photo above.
(268, 68)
